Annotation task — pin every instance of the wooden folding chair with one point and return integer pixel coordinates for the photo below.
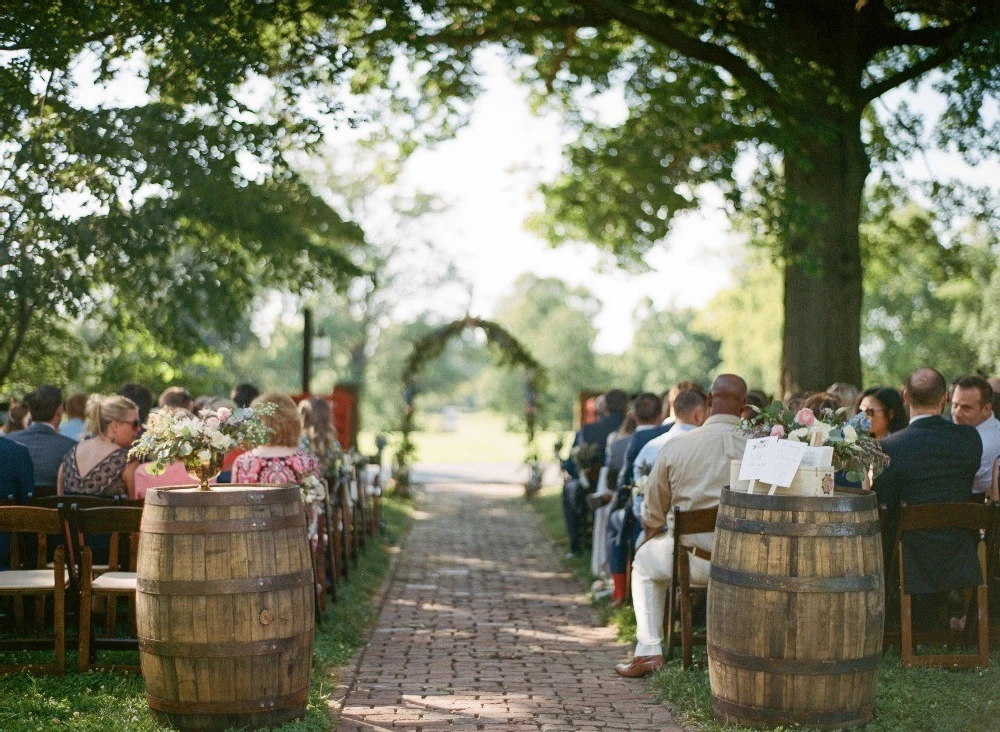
(122, 523)
(680, 598)
(975, 518)
(35, 579)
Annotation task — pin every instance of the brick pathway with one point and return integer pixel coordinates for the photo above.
(480, 629)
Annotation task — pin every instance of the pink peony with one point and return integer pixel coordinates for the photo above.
(805, 416)
(777, 431)
(224, 413)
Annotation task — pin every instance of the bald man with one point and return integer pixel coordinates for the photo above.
(690, 472)
(931, 461)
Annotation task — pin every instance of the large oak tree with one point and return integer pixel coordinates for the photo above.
(790, 83)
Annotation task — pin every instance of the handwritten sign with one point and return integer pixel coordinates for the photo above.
(774, 461)
(755, 457)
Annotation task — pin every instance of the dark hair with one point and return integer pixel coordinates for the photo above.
(616, 401)
(757, 398)
(891, 401)
(926, 387)
(176, 396)
(648, 407)
(44, 402)
(76, 406)
(243, 394)
(687, 401)
(140, 396)
(975, 382)
(822, 400)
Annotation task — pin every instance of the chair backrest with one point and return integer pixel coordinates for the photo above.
(993, 494)
(17, 520)
(122, 522)
(974, 516)
(700, 521)
(81, 500)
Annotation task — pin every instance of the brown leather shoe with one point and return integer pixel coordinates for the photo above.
(640, 666)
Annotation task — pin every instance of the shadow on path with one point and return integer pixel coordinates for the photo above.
(480, 629)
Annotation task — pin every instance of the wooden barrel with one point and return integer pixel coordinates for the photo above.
(224, 606)
(796, 608)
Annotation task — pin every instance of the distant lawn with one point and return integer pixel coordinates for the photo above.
(479, 437)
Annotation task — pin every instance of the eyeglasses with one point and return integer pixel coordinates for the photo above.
(871, 411)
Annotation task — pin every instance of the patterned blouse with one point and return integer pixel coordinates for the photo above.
(251, 468)
(104, 479)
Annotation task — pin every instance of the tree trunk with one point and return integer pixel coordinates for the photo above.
(823, 272)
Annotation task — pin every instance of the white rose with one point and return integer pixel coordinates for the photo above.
(220, 441)
(822, 427)
(212, 423)
(205, 456)
(850, 434)
(185, 449)
(801, 434)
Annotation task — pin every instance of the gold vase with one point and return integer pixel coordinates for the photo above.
(204, 472)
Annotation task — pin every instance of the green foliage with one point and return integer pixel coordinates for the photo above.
(668, 348)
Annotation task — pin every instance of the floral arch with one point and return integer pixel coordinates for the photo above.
(509, 352)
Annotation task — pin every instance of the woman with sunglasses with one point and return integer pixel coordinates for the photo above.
(884, 407)
(99, 466)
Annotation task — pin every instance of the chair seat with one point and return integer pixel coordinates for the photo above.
(29, 579)
(115, 581)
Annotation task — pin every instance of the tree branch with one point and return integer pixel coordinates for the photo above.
(659, 28)
(23, 319)
(892, 36)
(536, 25)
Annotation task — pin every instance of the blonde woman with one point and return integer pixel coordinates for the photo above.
(319, 436)
(99, 465)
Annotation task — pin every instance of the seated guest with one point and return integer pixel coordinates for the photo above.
(688, 413)
(885, 409)
(76, 407)
(319, 436)
(671, 396)
(244, 394)
(972, 405)
(100, 466)
(690, 473)
(42, 438)
(16, 482)
(600, 499)
(280, 460)
(648, 420)
(821, 401)
(17, 418)
(755, 398)
(845, 394)
(141, 396)
(611, 411)
(931, 460)
(176, 397)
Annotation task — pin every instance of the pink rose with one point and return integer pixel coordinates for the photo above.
(777, 431)
(224, 413)
(805, 416)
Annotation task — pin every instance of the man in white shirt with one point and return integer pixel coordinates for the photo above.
(688, 411)
(690, 473)
(972, 404)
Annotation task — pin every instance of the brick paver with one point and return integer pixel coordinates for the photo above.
(481, 629)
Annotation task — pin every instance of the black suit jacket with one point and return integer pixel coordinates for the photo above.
(16, 480)
(932, 461)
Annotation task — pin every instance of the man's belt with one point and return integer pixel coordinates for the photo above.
(700, 553)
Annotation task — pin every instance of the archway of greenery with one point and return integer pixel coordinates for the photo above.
(509, 351)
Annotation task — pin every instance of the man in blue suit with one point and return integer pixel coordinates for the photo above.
(932, 461)
(16, 482)
(42, 438)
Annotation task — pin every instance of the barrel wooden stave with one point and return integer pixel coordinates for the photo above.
(217, 649)
(783, 651)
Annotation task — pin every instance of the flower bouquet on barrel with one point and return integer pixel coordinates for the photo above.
(856, 454)
(201, 442)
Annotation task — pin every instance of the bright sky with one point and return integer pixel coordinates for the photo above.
(488, 174)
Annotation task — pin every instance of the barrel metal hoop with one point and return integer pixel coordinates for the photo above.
(254, 495)
(244, 706)
(824, 504)
(843, 718)
(224, 650)
(795, 666)
(225, 586)
(223, 526)
(777, 582)
(783, 528)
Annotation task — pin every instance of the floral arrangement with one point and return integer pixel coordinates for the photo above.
(643, 469)
(313, 490)
(587, 455)
(199, 442)
(855, 451)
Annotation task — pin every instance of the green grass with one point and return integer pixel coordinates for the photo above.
(110, 702)
(906, 700)
(480, 437)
